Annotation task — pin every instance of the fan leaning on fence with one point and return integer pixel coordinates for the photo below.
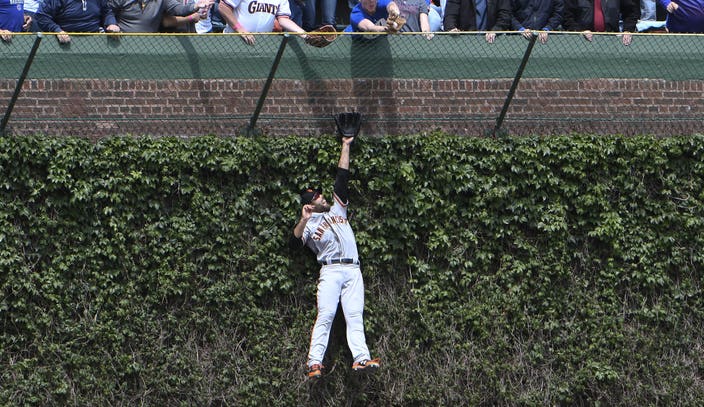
(251, 16)
(12, 19)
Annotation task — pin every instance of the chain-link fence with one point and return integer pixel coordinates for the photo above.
(175, 84)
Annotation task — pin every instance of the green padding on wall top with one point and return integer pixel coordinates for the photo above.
(465, 56)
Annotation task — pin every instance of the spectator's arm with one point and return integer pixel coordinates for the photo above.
(46, 14)
(367, 25)
(179, 21)
(393, 9)
(503, 17)
(630, 13)
(452, 15)
(109, 20)
(555, 20)
(176, 8)
(569, 20)
(289, 25)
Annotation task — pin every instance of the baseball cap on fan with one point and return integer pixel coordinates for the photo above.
(309, 194)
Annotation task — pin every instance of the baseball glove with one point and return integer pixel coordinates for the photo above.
(394, 23)
(323, 37)
(348, 124)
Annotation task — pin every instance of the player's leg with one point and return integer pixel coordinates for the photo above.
(352, 301)
(329, 285)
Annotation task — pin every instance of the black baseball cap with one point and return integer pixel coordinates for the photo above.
(308, 194)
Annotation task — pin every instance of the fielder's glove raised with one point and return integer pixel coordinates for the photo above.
(323, 37)
(348, 124)
(394, 23)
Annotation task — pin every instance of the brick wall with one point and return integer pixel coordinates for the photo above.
(97, 108)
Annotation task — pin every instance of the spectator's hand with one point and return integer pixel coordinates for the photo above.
(112, 28)
(626, 38)
(527, 33)
(672, 7)
(248, 39)
(63, 38)
(203, 12)
(27, 22)
(588, 35)
(6, 35)
(428, 35)
(203, 4)
(490, 37)
(543, 37)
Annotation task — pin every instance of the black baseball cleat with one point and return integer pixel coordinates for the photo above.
(366, 365)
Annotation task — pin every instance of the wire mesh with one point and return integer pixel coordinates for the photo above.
(184, 84)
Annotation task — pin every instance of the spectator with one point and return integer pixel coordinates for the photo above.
(64, 16)
(145, 16)
(30, 9)
(601, 16)
(435, 14)
(648, 10)
(12, 19)
(685, 16)
(251, 16)
(185, 24)
(297, 7)
(368, 13)
(213, 22)
(478, 15)
(311, 19)
(416, 14)
(537, 15)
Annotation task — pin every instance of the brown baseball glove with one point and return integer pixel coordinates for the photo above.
(322, 37)
(394, 24)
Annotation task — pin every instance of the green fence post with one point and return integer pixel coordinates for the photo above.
(514, 85)
(20, 82)
(251, 129)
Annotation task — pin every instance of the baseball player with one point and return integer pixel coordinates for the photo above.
(324, 228)
(248, 16)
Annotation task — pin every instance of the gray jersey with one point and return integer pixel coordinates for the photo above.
(329, 235)
(144, 16)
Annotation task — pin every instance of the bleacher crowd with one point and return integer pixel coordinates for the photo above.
(528, 17)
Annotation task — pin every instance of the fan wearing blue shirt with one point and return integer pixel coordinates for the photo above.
(365, 15)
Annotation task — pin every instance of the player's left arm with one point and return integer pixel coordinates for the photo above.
(341, 187)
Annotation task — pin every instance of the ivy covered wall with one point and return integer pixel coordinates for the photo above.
(531, 271)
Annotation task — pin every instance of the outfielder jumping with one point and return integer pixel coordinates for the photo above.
(327, 232)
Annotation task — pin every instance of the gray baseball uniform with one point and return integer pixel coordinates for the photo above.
(329, 235)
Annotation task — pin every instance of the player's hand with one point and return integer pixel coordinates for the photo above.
(307, 211)
(490, 37)
(588, 35)
(672, 7)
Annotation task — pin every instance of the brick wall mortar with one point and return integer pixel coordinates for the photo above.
(390, 105)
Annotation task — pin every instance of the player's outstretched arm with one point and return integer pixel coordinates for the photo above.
(344, 162)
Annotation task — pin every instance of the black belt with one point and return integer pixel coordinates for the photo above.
(338, 261)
